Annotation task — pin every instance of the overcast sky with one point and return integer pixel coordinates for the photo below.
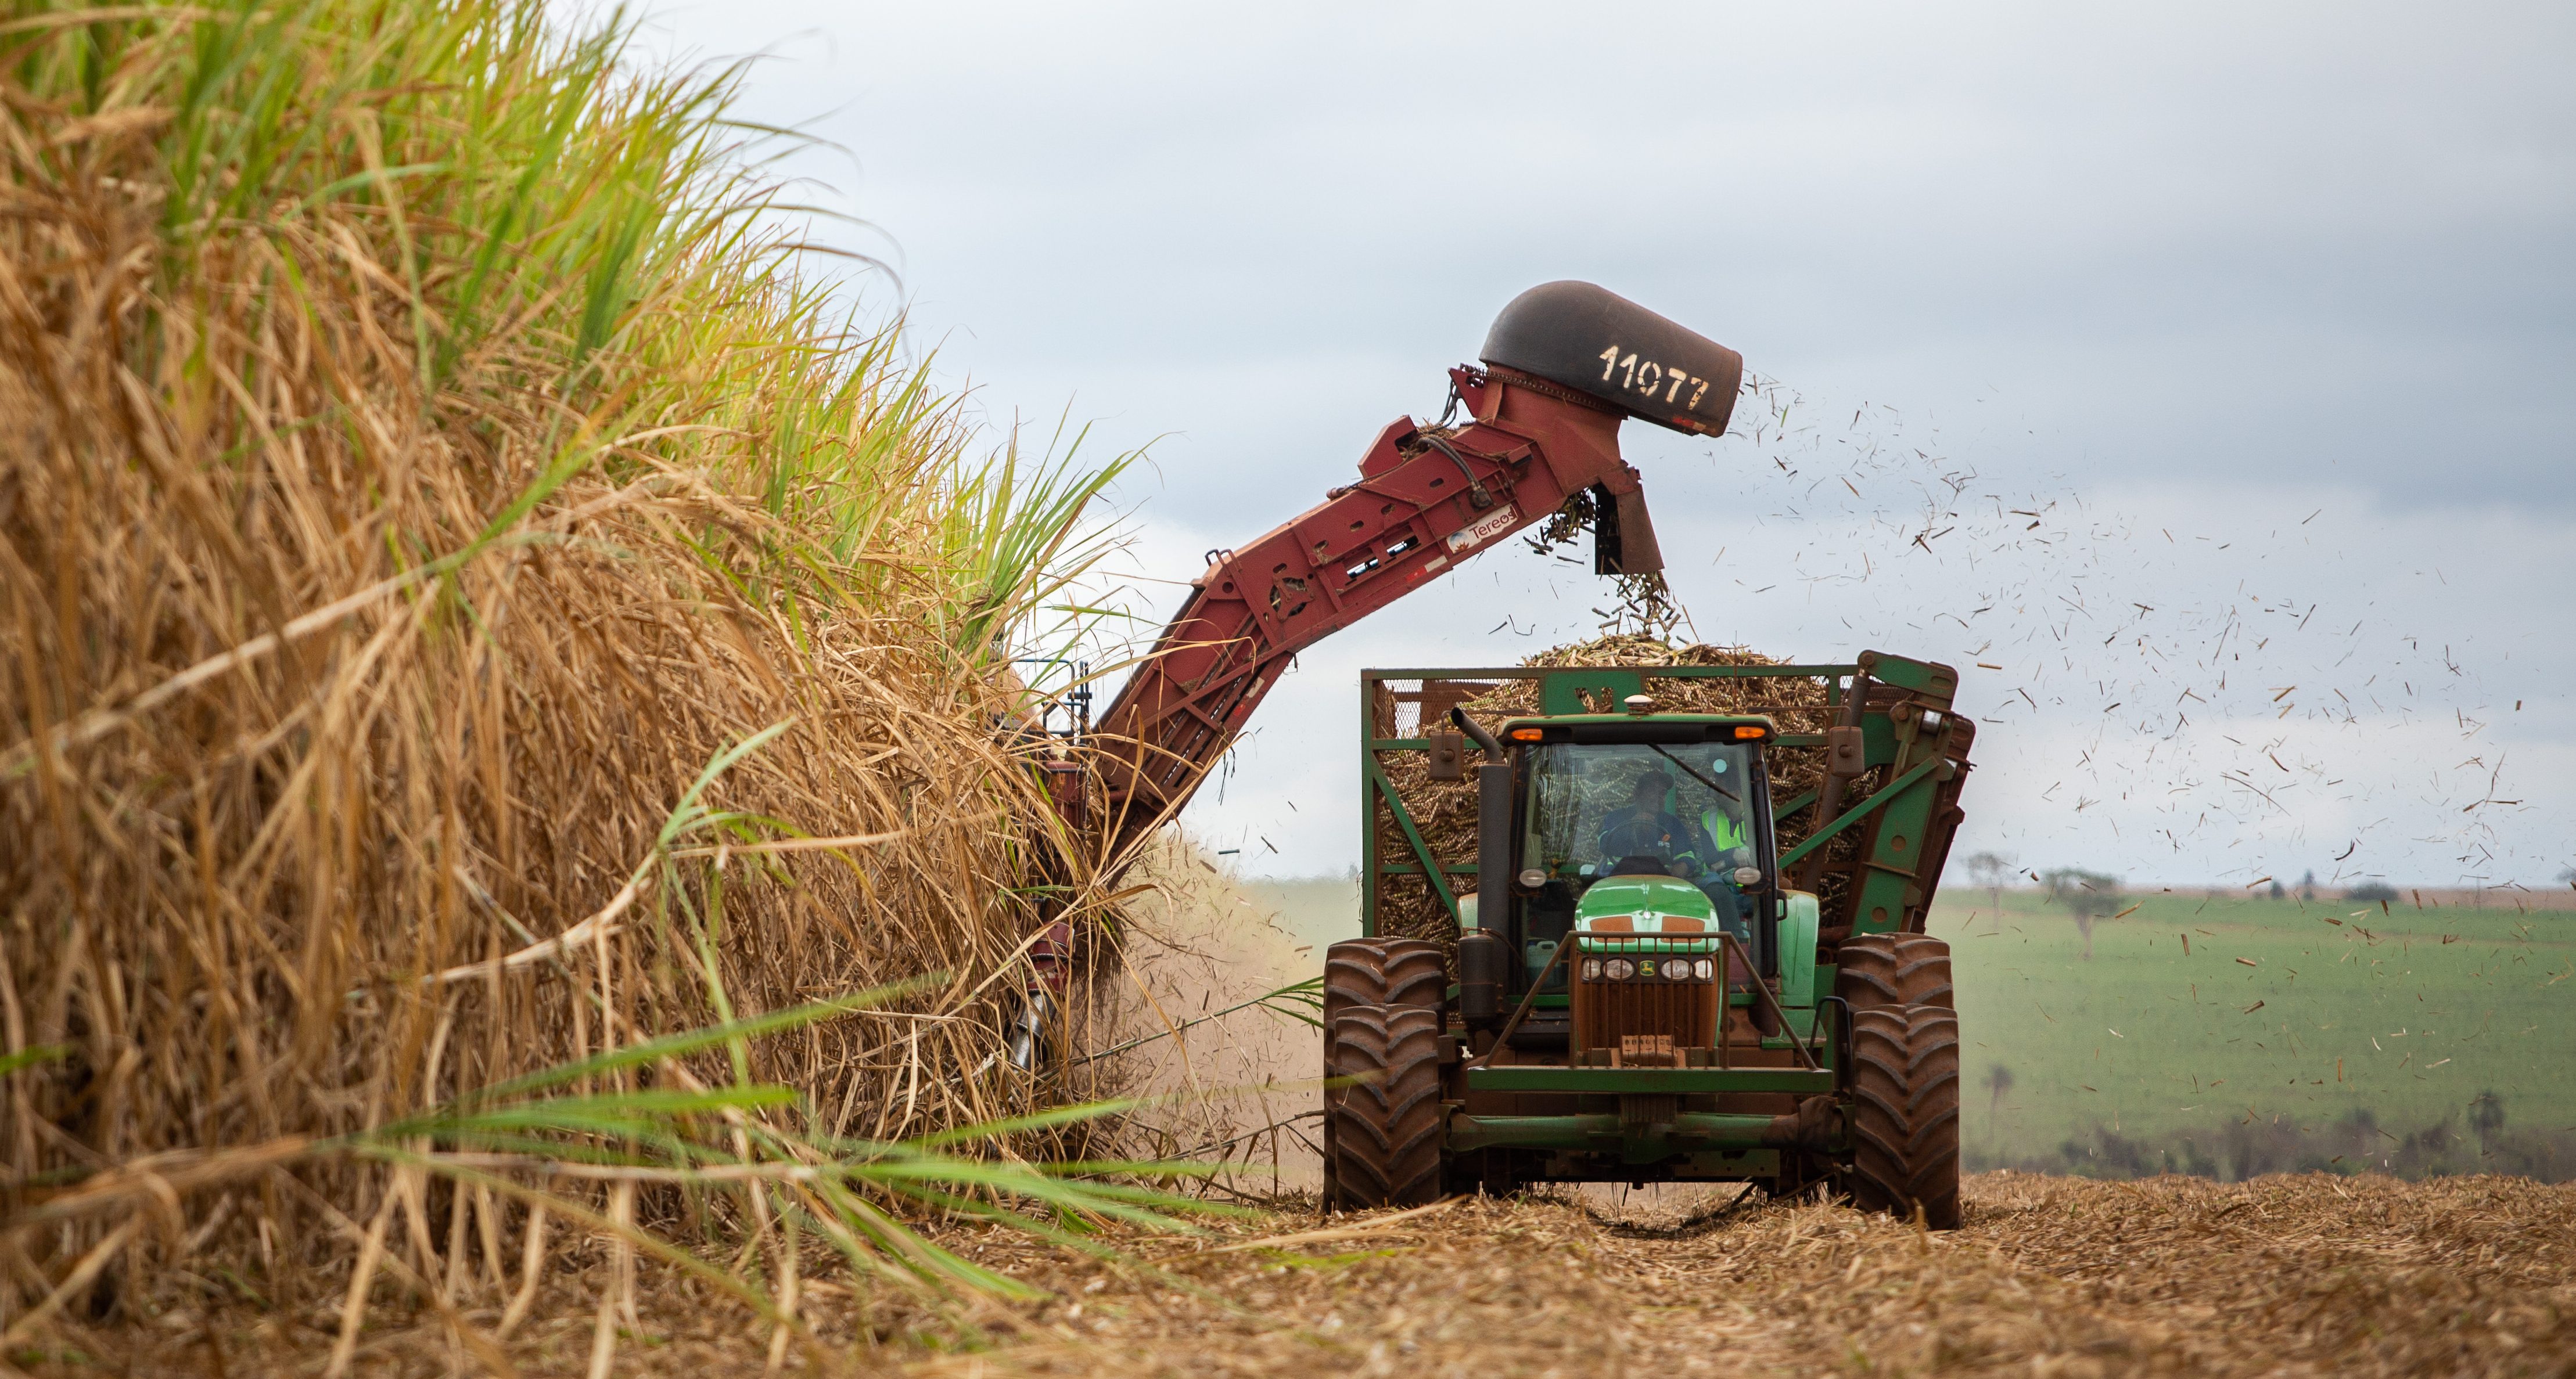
(2269, 313)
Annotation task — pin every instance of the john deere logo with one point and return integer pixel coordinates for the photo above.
(1646, 968)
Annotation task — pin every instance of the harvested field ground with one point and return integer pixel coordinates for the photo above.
(2279, 1276)
(2305, 1275)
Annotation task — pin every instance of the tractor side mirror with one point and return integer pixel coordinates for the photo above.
(1846, 753)
(1448, 756)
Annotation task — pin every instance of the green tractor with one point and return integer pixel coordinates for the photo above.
(1643, 984)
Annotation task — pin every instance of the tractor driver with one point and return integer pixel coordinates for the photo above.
(1647, 829)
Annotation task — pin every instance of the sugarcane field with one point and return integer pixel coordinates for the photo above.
(1004, 690)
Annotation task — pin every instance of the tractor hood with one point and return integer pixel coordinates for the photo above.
(1644, 905)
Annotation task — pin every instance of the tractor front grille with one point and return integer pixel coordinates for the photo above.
(1639, 1009)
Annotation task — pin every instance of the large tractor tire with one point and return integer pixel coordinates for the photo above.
(1905, 1076)
(1401, 972)
(1384, 1132)
(1905, 1113)
(1383, 972)
(1893, 970)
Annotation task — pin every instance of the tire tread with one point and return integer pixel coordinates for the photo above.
(1387, 1130)
(1904, 1075)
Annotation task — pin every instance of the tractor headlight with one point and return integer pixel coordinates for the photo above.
(1703, 969)
(1591, 969)
(1618, 969)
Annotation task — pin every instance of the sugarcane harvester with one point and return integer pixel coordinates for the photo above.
(1643, 986)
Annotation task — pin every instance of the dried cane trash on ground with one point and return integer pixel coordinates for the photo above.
(2284, 1275)
(2309, 1275)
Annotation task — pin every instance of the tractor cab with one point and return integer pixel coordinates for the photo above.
(1635, 855)
(1638, 822)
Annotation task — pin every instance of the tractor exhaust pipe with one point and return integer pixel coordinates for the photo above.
(1480, 978)
(1482, 950)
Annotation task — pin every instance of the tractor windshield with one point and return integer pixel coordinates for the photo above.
(1605, 809)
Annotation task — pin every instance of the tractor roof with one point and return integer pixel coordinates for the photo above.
(1665, 729)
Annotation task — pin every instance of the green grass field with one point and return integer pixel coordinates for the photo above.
(2311, 1021)
(2193, 1012)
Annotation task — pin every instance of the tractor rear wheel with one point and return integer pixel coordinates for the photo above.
(1405, 972)
(1384, 1132)
(1893, 970)
(1905, 1113)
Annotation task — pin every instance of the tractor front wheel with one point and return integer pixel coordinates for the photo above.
(1383, 1132)
(1383, 972)
(1402, 972)
(1904, 1076)
(1895, 970)
(1905, 1113)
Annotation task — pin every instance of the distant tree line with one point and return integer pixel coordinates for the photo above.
(2476, 1138)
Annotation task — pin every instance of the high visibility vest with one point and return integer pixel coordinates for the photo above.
(1723, 832)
